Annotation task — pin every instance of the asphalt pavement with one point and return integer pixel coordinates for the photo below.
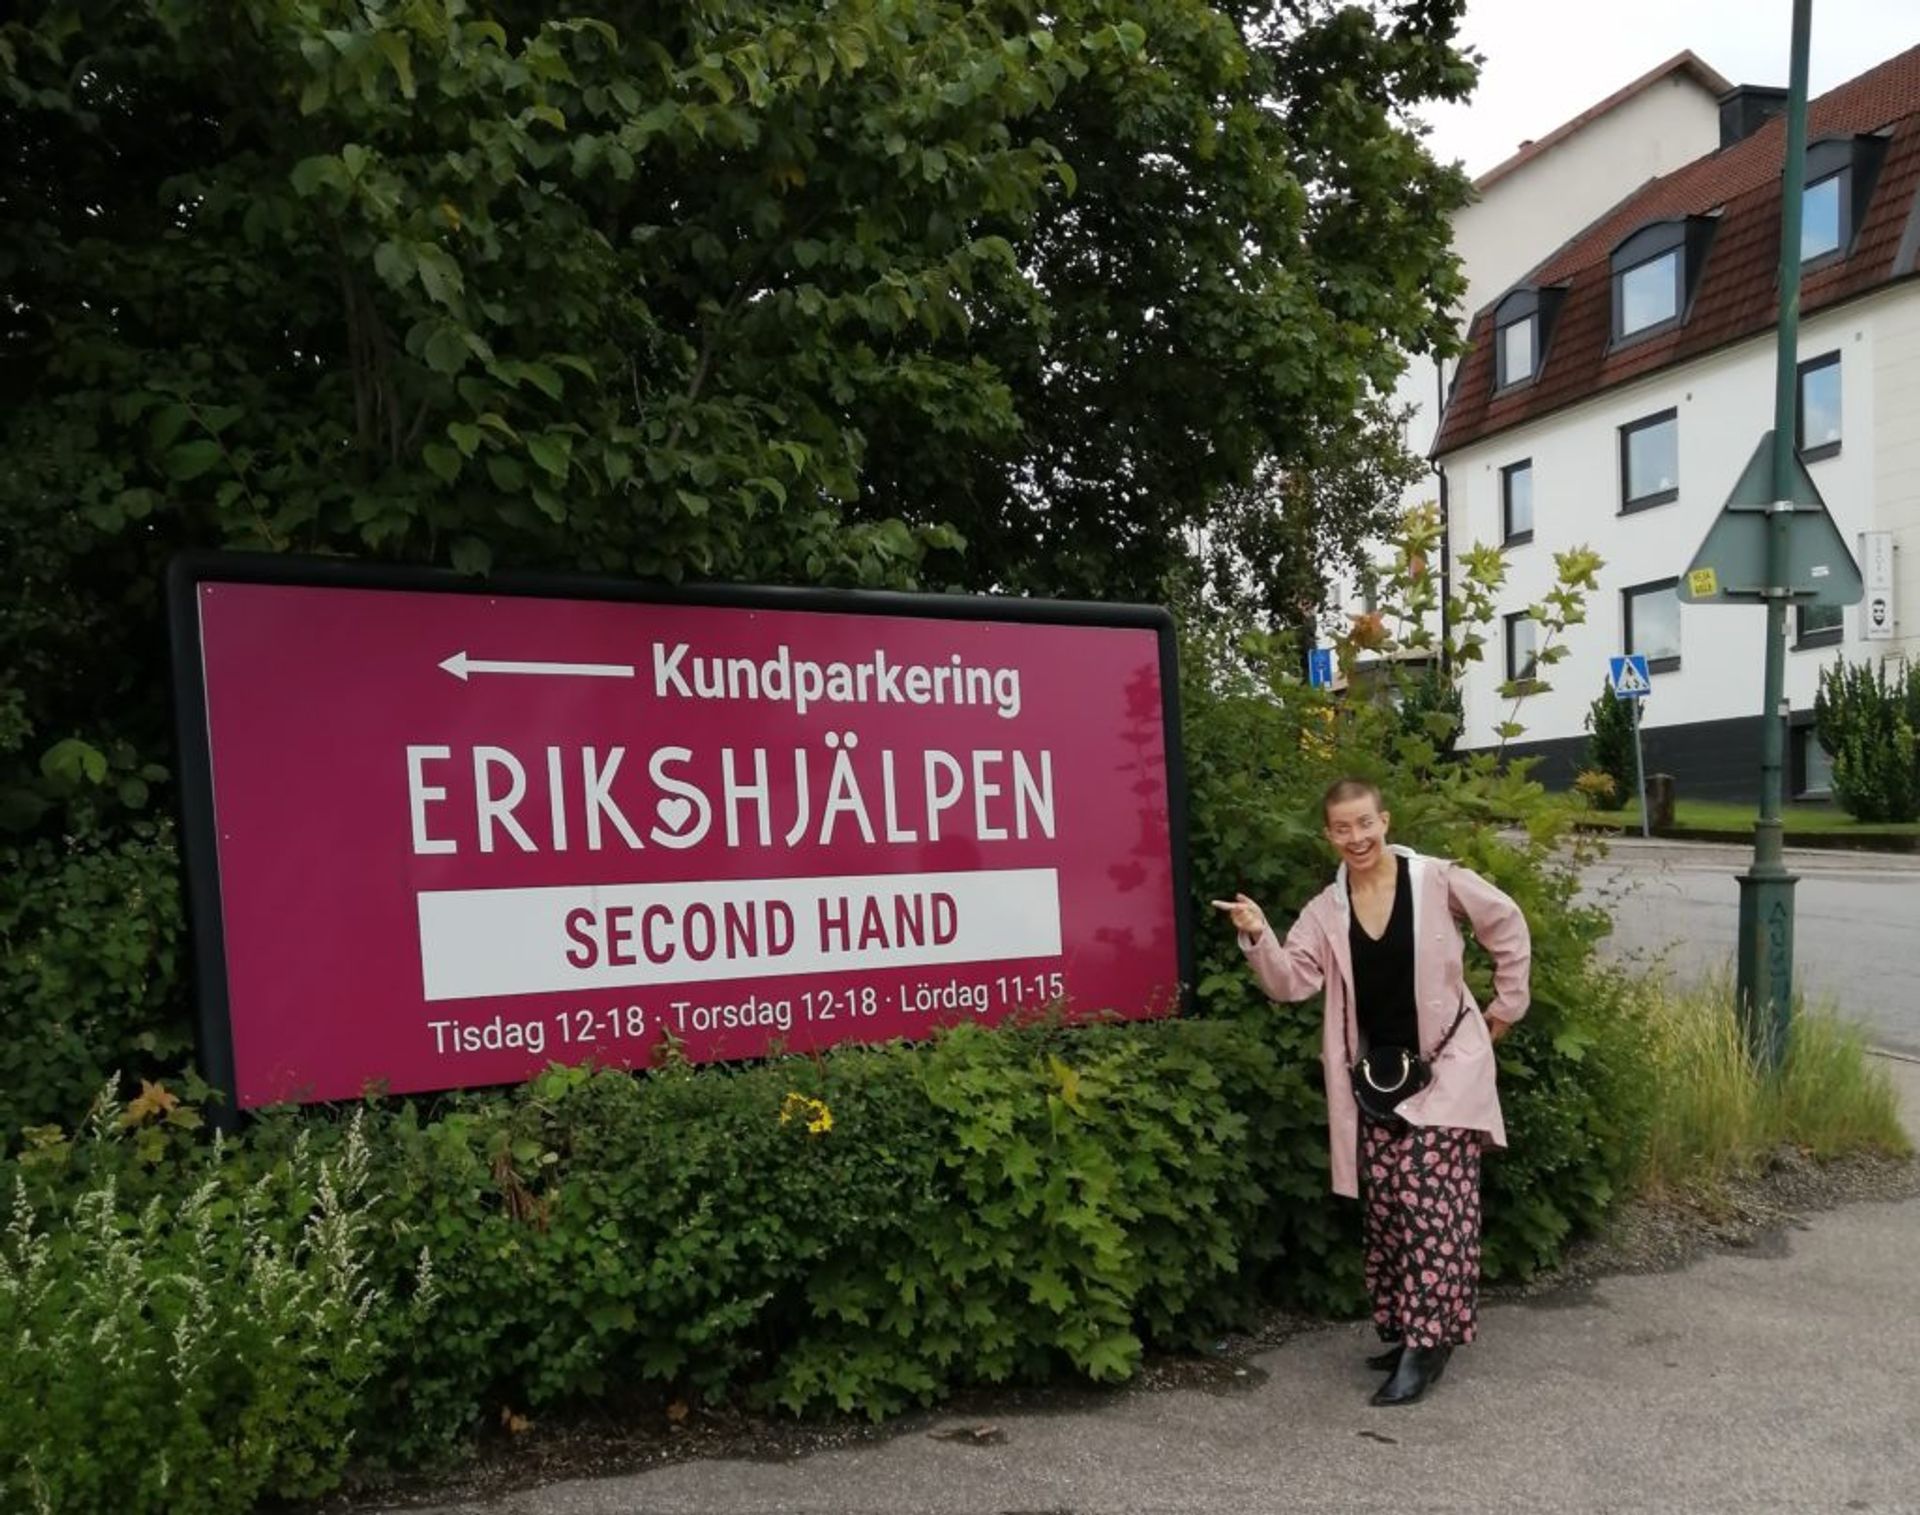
(1857, 923)
(1776, 1378)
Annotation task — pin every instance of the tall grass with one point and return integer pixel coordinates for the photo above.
(1714, 1114)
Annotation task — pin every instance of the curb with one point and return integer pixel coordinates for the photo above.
(1829, 841)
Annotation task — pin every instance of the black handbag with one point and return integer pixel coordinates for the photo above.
(1384, 1076)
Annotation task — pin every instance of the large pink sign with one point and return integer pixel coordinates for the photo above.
(442, 837)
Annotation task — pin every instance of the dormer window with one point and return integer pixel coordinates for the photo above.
(1820, 222)
(1655, 272)
(1840, 175)
(1516, 351)
(1522, 323)
(1650, 293)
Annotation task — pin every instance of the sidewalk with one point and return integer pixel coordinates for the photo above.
(1779, 1378)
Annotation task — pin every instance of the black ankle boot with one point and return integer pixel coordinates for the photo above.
(1419, 1369)
(1387, 1361)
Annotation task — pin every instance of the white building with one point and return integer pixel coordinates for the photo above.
(1547, 191)
(1612, 395)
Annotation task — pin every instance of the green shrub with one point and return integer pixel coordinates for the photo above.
(1597, 789)
(998, 1205)
(196, 1344)
(1431, 706)
(91, 971)
(1610, 742)
(1866, 719)
(1093, 1188)
(864, 1230)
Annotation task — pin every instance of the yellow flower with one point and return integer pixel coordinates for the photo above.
(814, 1112)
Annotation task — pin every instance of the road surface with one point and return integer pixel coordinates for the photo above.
(1857, 932)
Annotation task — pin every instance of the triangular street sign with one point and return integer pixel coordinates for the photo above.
(1731, 566)
(1628, 676)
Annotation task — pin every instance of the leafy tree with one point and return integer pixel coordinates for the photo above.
(1255, 238)
(1272, 550)
(708, 289)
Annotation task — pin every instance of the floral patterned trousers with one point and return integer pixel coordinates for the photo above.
(1421, 1226)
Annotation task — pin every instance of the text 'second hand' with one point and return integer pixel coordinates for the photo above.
(1244, 913)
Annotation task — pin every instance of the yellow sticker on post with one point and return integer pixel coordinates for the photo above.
(1702, 582)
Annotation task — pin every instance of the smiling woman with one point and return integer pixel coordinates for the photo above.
(1415, 1106)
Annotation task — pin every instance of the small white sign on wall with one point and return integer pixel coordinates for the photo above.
(1876, 572)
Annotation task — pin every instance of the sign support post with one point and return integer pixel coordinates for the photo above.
(1640, 773)
(1774, 544)
(1764, 962)
(1631, 680)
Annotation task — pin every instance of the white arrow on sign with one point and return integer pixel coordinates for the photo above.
(460, 666)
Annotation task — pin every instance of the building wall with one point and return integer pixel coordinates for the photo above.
(1896, 463)
(1527, 214)
(1711, 760)
(1724, 402)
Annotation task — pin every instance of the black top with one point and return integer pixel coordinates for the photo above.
(1383, 973)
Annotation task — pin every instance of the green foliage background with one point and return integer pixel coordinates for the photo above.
(885, 293)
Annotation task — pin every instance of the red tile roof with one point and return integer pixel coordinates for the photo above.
(1736, 293)
(1686, 63)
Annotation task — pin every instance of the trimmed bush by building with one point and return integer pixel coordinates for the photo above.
(1865, 719)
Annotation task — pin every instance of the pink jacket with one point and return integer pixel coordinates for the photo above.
(1315, 956)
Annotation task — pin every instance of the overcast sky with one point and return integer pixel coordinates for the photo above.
(1548, 60)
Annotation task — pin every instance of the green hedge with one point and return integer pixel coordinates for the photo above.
(863, 1232)
(996, 1206)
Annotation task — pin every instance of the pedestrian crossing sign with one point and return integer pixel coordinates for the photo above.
(1629, 677)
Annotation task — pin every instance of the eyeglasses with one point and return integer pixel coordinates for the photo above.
(1348, 831)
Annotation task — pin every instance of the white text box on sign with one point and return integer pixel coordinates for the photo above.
(491, 943)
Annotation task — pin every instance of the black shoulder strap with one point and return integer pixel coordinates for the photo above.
(1465, 1003)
